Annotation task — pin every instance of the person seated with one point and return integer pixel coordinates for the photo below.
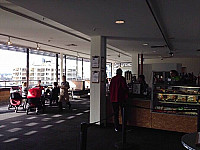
(174, 76)
(143, 84)
(55, 93)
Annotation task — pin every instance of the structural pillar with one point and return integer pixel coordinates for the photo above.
(61, 66)
(82, 68)
(135, 60)
(57, 68)
(141, 64)
(27, 68)
(77, 68)
(98, 79)
(65, 66)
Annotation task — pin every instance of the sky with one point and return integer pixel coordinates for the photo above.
(9, 59)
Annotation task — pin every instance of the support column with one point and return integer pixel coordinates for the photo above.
(57, 68)
(77, 68)
(82, 68)
(98, 90)
(141, 64)
(65, 66)
(27, 68)
(135, 64)
(61, 66)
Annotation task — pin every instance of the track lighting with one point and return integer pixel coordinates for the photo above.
(78, 54)
(119, 55)
(37, 46)
(9, 42)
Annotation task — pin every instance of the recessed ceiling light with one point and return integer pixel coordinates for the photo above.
(71, 45)
(119, 21)
(9, 42)
(145, 44)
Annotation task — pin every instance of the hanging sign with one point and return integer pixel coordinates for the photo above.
(95, 61)
(95, 76)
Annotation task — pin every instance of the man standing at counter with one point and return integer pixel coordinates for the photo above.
(118, 95)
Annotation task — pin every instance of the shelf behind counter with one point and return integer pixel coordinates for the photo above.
(146, 118)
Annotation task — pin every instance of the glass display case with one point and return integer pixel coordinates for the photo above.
(173, 98)
(176, 97)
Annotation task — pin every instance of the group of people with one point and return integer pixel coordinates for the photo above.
(59, 94)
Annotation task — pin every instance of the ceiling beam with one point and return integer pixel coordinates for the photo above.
(159, 23)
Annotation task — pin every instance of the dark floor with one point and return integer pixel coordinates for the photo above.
(54, 131)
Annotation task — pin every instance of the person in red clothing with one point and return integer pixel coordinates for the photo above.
(118, 95)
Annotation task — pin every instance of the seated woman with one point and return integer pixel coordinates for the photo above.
(55, 93)
(143, 84)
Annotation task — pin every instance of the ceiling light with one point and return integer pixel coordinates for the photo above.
(154, 51)
(119, 55)
(78, 54)
(9, 42)
(71, 45)
(37, 46)
(119, 21)
(145, 44)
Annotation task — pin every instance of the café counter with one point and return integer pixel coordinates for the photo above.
(137, 116)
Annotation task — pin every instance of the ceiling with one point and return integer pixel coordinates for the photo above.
(156, 22)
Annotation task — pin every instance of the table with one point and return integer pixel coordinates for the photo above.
(189, 140)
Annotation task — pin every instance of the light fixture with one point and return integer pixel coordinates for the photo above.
(154, 51)
(9, 42)
(37, 46)
(145, 44)
(78, 54)
(119, 21)
(119, 55)
(71, 44)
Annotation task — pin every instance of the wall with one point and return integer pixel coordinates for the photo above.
(192, 64)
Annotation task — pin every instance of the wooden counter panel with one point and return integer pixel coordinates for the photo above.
(144, 118)
(4, 95)
(139, 117)
(177, 123)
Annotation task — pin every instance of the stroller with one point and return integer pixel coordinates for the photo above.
(15, 100)
(34, 100)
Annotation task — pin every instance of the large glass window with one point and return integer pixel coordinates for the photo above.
(109, 70)
(86, 69)
(13, 67)
(71, 68)
(41, 68)
(79, 76)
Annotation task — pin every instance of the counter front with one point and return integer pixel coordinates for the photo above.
(146, 118)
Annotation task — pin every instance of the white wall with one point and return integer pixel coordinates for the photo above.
(166, 67)
(192, 64)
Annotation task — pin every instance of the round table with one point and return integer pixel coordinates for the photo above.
(189, 141)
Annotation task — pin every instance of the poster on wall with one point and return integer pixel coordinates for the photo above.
(95, 61)
(95, 76)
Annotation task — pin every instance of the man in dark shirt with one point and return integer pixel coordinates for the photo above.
(118, 95)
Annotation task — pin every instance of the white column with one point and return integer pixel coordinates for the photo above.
(61, 66)
(98, 90)
(135, 63)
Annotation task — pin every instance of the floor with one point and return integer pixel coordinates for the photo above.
(61, 131)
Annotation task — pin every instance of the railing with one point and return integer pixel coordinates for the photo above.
(4, 84)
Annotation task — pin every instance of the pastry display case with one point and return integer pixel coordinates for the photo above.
(175, 99)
